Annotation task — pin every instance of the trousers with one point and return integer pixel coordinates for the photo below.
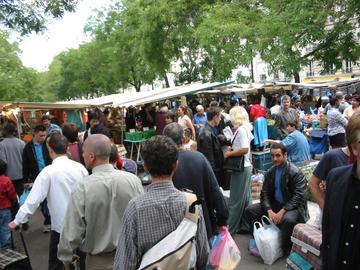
(254, 212)
(103, 261)
(54, 262)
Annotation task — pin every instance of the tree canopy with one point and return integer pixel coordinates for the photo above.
(138, 41)
(16, 81)
(27, 16)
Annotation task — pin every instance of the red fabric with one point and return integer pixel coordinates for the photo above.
(7, 193)
(257, 111)
(119, 163)
(73, 148)
(352, 158)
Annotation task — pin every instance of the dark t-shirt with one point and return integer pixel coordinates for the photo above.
(332, 159)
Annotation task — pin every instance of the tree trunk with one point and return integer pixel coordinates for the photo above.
(297, 77)
(166, 81)
(252, 71)
(137, 87)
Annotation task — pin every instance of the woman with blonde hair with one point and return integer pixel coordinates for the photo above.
(240, 188)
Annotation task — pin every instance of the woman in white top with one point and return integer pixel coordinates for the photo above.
(189, 143)
(184, 120)
(240, 187)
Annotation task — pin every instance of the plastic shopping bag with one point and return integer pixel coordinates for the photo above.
(268, 240)
(23, 196)
(225, 254)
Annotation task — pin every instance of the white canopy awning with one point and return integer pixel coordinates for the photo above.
(141, 98)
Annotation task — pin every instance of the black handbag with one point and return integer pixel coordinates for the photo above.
(235, 164)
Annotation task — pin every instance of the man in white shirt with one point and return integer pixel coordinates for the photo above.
(54, 183)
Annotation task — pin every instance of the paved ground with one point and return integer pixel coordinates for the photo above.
(38, 242)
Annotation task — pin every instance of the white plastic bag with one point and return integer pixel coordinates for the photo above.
(268, 240)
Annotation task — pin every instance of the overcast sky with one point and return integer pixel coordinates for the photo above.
(38, 50)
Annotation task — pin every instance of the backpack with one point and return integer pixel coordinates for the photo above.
(177, 250)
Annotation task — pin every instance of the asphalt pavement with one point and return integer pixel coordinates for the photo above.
(38, 243)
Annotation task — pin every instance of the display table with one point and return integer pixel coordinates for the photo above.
(135, 144)
(318, 141)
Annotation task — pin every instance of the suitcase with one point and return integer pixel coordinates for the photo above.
(306, 242)
(13, 260)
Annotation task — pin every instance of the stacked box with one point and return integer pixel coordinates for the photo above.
(256, 187)
(306, 242)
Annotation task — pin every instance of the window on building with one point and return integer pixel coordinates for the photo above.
(329, 70)
(348, 66)
(310, 72)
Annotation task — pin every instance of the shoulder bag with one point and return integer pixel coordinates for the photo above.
(235, 164)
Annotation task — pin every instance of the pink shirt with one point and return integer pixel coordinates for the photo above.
(73, 148)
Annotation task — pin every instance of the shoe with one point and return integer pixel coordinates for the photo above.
(46, 228)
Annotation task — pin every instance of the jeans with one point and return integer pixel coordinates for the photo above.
(5, 236)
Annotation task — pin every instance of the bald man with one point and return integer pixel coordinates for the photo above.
(93, 219)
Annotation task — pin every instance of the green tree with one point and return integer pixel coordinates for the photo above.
(27, 16)
(120, 44)
(292, 33)
(165, 34)
(16, 81)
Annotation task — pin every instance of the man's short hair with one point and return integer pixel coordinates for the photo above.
(291, 124)
(356, 97)
(71, 132)
(214, 103)
(101, 129)
(114, 154)
(9, 129)
(339, 95)
(212, 112)
(99, 144)
(279, 146)
(187, 132)
(3, 167)
(58, 143)
(39, 128)
(174, 131)
(353, 130)
(45, 117)
(233, 103)
(93, 115)
(333, 100)
(160, 154)
(170, 115)
(285, 97)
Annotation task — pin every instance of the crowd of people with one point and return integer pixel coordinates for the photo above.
(98, 212)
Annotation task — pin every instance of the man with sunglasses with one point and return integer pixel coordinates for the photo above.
(282, 197)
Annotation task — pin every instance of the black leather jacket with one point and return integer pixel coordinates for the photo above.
(293, 186)
(30, 165)
(208, 144)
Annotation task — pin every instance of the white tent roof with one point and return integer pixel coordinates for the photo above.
(167, 93)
